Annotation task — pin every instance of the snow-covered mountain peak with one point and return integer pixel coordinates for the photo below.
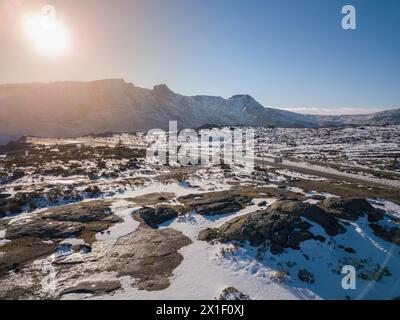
(244, 98)
(162, 90)
(77, 108)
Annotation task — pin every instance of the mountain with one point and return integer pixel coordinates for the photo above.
(391, 117)
(76, 108)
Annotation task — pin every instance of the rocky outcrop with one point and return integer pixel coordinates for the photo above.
(282, 225)
(286, 223)
(23, 250)
(148, 255)
(39, 235)
(232, 294)
(65, 221)
(94, 287)
(318, 197)
(213, 203)
(350, 208)
(390, 234)
(309, 211)
(153, 217)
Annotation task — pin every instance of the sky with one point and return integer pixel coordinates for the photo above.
(289, 54)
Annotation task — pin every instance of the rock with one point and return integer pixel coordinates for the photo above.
(213, 203)
(262, 203)
(156, 216)
(94, 287)
(85, 248)
(225, 167)
(232, 294)
(219, 207)
(306, 276)
(390, 234)
(17, 174)
(64, 249)
(376, 217)
(150, 199)
(82, 212)
(93, 191)
(348, 209)
(148, 255)
(318, 197)
(52, 195)
(299, 237)
(65, 221)
(349, 250)
(281, 226)
(208, 234)
(311, 212)
(23, 250)
(44, 229)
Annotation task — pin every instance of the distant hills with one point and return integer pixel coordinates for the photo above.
(76, 108)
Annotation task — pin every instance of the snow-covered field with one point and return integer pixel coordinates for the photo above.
(374, 150)
(106, 224)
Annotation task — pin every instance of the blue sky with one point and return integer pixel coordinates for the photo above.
(289, 54)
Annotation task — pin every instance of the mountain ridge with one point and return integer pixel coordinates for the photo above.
(71, 108)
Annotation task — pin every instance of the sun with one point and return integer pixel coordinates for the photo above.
(47, 34)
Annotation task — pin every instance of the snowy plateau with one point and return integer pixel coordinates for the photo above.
(88, 217)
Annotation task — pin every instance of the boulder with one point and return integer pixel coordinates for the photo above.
(318, 197)
(306, 276)
(155, 216)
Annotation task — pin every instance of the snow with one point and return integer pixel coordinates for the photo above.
(300, 175)
(64, 249)
(389, 207)
(124, 210)
(4, 241)
(203, 273)
(73, 241)
(201, 276)
(209, 268)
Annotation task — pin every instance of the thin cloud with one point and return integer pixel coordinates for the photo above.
(332, 111)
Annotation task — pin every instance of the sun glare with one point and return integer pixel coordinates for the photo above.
(47, 34)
